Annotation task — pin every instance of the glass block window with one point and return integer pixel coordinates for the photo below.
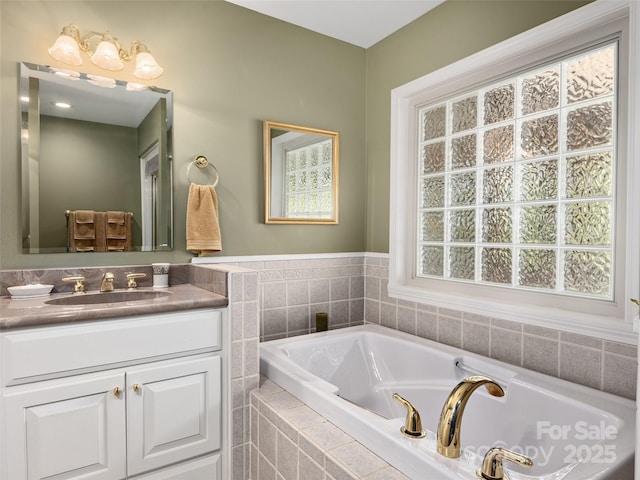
(516, 180)
(308, 181)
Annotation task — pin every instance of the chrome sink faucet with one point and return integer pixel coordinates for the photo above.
(106, 285)
(448, 439)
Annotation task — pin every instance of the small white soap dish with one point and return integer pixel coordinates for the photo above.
(34, 290)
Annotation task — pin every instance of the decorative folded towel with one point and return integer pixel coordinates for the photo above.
(116, 216)
(116, 228)
(118, 231)
(203, 226)
(116, 246)
(83, 224)
(84, 246)
(101, 230)
(81, 231)
(91, 231)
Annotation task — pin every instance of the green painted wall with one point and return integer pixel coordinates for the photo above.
(450, 32)
(97, 170)
(231, 68)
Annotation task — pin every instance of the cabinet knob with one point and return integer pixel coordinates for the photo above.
(137, 388)
(117, 391)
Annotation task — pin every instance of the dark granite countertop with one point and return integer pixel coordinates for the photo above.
(19, 313)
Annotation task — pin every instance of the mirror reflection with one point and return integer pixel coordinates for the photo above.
(96, 163)
(301, 174)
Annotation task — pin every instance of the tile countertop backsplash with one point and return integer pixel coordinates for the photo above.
(179, 274)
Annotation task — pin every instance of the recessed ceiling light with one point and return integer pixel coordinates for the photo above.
(62, 105)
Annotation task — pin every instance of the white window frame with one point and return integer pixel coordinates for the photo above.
(611, 320)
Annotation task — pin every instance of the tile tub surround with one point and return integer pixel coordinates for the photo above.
(601, 364)
(243, 314)
(352, 287)
(289, 441)
(293, 292)
(293, 288)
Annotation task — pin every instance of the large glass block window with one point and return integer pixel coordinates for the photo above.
(308, 181)
(516, 185)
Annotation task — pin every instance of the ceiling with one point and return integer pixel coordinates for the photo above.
(359, 22)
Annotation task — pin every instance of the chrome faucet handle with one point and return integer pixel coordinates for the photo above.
(412, 425)
(492, 464)
(131, 279)
(79, 283)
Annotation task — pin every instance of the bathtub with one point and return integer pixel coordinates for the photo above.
(349, 376)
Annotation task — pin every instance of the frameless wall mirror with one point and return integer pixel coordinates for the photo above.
(94, 145)
(301, 174)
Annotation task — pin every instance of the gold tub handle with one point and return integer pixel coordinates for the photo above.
(492, 464)
(413, 425)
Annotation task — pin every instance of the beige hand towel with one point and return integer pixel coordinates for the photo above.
(203, 227)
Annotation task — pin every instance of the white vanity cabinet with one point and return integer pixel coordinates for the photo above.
(141, 397)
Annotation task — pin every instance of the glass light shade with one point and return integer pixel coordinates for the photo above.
(147, 67)
(65, 49)
(107, 56)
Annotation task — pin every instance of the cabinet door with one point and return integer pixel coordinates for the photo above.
(67, 430)
(173, 412)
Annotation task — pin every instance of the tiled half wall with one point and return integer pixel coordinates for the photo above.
(289, 441)
(351, 288)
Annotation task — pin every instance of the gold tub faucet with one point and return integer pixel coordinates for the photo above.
(448, 439)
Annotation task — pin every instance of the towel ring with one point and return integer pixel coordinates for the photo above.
(201, 162)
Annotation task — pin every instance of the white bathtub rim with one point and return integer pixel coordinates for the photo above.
(367, 430)
(276, 366)
(597, 398)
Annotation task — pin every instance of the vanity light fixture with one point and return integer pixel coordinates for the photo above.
(108, 54)
(66, 74)
(103, 82)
